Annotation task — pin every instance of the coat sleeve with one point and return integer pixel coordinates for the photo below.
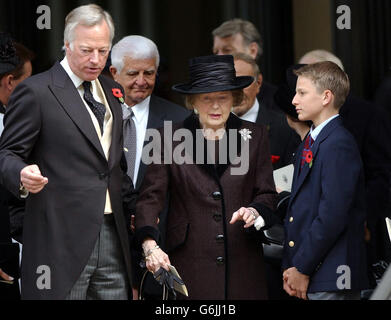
(265, 195)
(151, 200)
(340, 177)
(22, 127)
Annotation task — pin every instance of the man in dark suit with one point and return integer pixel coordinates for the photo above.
(135, 61)
(324, 251)
(61, 148)
(283, 140)
(241, 36)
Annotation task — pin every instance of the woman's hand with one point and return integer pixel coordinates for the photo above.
(155, 258)
(248, 215)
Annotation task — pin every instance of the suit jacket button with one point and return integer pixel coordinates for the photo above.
(291, 219)
(220, 238)
(220, 261)
(291, 244)
(216, 195)
(102, 176)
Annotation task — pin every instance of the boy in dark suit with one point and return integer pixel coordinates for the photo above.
(324, 254)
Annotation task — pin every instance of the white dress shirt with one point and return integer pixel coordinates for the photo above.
(1, 123)
(251, 114)
(314, 132)
(140, 117)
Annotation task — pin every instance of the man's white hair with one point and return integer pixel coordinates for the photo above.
(320, 56)
(135, 47)
(88, 15)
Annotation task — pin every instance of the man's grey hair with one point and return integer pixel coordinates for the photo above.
(249, 60)
(320, 55)
(89, 15)
(135, 47)
(247, 29)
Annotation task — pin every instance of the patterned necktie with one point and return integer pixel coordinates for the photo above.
(97, 108)
(130, 140)
(307, 147)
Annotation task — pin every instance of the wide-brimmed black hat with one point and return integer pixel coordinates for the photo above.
(8, 58)
(287, 91)
(212, 74)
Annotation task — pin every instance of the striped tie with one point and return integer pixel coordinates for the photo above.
(130, 140)
(307, 147)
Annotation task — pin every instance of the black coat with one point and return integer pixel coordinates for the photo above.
(283, 140)
(215, 259)
(371, 128)
(9, 252)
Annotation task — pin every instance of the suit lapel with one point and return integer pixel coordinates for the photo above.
(300, 178)
(156, 117)
(69, 98)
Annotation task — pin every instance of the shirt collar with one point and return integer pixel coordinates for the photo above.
(75, 79)
(252, 113)
(314, 132)
(140, 110)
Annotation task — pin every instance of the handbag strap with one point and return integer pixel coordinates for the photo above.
(140, 297)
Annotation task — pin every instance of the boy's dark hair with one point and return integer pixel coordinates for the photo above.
(327, 75)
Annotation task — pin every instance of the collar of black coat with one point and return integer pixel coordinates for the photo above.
(2, 108)
(192, 123)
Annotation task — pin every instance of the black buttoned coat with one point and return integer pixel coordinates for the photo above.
(216, 260)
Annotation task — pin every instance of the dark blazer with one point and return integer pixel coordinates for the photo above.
(327, 207)
(283, 140)
(215, 259)
(47, 124)
(371, 129)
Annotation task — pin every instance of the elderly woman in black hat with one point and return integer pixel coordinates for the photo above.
(216, 214)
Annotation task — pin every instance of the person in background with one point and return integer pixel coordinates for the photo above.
(11, 75)
(135, 63)
(283, 140)
(10, 66)
(283, 99)
(241, 36)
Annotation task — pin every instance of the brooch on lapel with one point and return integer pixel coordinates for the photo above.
(309, 157)
(246, 134)
(118, 94)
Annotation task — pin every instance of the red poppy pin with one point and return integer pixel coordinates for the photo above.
(309, 158)
(118, 94)
(275, 159)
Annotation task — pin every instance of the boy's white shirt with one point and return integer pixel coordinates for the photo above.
(314, 132)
